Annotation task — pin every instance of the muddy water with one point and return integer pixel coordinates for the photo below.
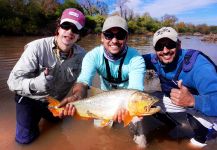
(71, 134)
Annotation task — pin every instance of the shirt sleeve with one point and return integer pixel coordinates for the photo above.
(88, 69)
(23, 71)
(136, 73)
(205, 78)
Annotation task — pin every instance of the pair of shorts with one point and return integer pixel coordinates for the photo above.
(28, 114)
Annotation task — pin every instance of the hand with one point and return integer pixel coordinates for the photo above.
(120, 115)
(182, 96)
(67, 100)
(69, 109)
(43, 82)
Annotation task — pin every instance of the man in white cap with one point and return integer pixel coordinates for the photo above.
(118, 65)
(189, 82)
(48, 66)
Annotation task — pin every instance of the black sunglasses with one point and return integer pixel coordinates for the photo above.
(168, 44)
(68, 25)
(121, 35)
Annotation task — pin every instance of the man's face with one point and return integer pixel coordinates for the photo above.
(114, 40)
(166, 50)
(68, 35)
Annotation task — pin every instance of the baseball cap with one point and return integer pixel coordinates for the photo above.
(115, 21)
(165, 32)
(74, 16)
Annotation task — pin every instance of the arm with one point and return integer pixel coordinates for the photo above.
(89, 67)
(204, 79)
(206, 101)
(136, 73)
(26, 78)
(80, 89)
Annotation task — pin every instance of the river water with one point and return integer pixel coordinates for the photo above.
(71, 134)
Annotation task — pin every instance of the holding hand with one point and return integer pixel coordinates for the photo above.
(182, 96)
(69, 109)
(120, 115)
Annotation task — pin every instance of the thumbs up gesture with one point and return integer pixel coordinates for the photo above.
(182, 96)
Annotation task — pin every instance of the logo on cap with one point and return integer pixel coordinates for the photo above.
(73, 14)
(162, 31)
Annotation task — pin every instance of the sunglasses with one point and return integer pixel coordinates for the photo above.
(67, 26)
(121, 35)
(169, 45)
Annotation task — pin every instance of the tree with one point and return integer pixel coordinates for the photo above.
(94, 7)
(181, 27)
(121, 4)
(169, 20)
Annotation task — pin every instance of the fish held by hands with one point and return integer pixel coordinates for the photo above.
(105, 105)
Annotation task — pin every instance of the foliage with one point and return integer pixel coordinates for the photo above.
(38, 17)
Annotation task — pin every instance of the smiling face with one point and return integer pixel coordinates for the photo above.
(67, 36)
(166, 50)
(114, 40)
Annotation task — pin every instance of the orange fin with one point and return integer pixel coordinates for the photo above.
(55, 111)
(52, 106)
(52, 101)
(127, 119)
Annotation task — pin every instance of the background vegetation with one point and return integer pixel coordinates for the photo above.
(38, 17)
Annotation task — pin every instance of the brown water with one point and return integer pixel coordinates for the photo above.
(73, 134)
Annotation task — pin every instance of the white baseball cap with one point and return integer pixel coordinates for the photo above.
(165, 32)
(115, 21)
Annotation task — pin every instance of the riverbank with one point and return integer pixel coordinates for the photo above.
(210, 38)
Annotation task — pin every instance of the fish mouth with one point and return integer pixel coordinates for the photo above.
(151, 110)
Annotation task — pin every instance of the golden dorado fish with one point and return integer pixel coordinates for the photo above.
(106, 104)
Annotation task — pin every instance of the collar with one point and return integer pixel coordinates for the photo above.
(59, 53)
(115, 57)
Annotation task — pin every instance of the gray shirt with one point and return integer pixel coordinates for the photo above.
(37, 56)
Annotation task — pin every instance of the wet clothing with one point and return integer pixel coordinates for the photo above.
(30, 99)
(132, 70)
(202, 79)
(28, 114)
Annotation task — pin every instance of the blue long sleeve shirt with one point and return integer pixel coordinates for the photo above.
(202, 77)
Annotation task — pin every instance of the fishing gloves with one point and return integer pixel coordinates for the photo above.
(41, 83)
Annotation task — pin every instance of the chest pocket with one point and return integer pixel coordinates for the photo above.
(67, 72)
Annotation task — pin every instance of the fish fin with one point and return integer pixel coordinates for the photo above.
(55, 111)
(127, 119)
(52, 106)
(52, 101)
(93, 91)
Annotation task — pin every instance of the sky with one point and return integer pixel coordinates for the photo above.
(189, 11)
